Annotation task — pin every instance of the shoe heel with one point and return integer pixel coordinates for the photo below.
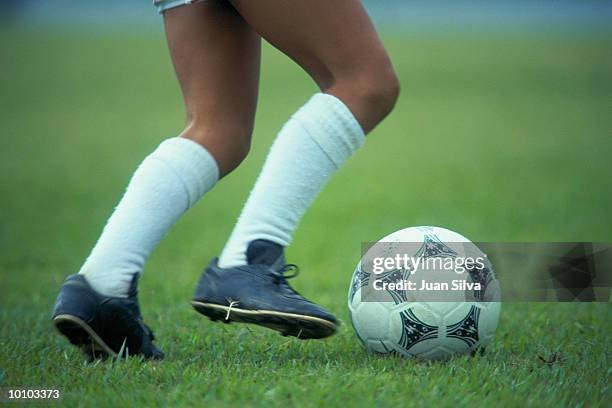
(76, 299)
(73, 331)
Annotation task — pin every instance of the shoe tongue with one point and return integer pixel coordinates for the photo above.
(133, 290)
(264, 252)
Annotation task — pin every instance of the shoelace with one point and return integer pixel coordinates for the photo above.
(145, 328)
(290, 268)
(150, 332)
(288, 271)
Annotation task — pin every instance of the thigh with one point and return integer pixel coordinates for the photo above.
(333, 40)
(216, 56)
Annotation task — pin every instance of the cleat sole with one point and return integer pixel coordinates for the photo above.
(83, 336)
(288, 324)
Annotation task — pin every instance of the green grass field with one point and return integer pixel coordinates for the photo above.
(501, 137)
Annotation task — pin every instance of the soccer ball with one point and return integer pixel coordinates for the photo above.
(451, 307)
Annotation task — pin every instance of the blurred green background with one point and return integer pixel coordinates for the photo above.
(503, 132)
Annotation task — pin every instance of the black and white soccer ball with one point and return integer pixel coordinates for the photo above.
(425, 324)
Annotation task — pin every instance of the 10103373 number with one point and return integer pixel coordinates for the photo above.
(11, 394)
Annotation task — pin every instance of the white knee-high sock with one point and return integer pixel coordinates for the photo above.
(313, 144)
(165, 185)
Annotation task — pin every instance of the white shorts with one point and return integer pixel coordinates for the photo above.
(163, 5)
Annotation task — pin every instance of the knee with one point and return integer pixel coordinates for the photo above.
(379, 89)
(229, 144)
(391, 90)
(373, 90)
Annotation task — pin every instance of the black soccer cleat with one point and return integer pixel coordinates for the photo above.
(259, 293)
(103, 326)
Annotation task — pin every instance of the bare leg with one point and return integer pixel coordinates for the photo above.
(336, 43)
(216, 56)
